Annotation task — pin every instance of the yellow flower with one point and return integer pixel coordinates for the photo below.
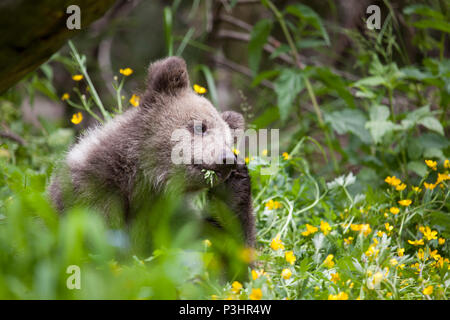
(348, 240)
(442, 177)
(393, 262)
(441, 241)
(401, 252)
(405, 202)
(416, 242)
(247, 160)
(335, 277)
(65, 96)
(77, 77)
(309, 230)
(135, 100)
(394, 210)
(393, 181)
(325, 227)
(388, 227)
(236, 287)
(256, 294)
(199, 89)
(257, 274)
(276, 243)
(273, 204)
(285, 156)
(126, 72)
(428, 290)
(329, 261)
(286, 273)
(430, 235)
(429, 186)
(380, 234)
(416, 189)
(389, 294)
(432, 164)
(400, 187)
(447, 164)
(290, 257)
(77, 118)
(339, 296)
(364, 228)
(420, 254)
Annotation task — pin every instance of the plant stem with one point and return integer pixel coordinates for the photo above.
(309, 88)
(83, 70)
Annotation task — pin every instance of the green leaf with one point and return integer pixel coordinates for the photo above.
(433, 24)
(433, 124)
(211, 84)
(309, 15)
(418, 167)
(378, 124)
(258, 38)
(349, 120)
(423, 10)
(264, 76)
(370, 81)
(287, 86)
(335, 82)
(168, 30)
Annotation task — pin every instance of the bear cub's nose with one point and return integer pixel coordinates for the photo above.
(229, 158)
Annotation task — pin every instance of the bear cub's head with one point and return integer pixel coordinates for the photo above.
(184, 131)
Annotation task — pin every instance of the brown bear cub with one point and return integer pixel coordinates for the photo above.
(125, 162)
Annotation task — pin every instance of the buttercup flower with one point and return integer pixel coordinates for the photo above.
(388, 227)
(77, 118)
(126, 72)
(416, 242)
(290, 257)
(199, 89)
(432, 164)
(401, 252)
(309, 230)
(447, 164)
(429, 186)
(428, 290)
(335, 277)
(257, 274)
(348, 240)
(416, 189)
(236, 287)
(325, 227)
(400, 187)
(256, 294)
(65, 96)
(285, 156)
(135, 100)
(77, 77)
(405, 202)
(286, 273)
(394, 210)
(329, 261)
(393, 181)
(276, 243)
(339, 296)
(273, 204)
(430, 235)
(441, 241)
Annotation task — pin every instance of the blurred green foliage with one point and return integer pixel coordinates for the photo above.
(384, 122)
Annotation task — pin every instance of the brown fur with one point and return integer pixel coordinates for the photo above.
(127, 160)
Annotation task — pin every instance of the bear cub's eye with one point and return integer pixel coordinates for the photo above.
(200, 128)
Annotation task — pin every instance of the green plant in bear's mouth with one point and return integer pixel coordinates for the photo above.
(210, 176)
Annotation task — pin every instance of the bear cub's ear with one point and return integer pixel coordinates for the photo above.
(235, 120)
(167, 76)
